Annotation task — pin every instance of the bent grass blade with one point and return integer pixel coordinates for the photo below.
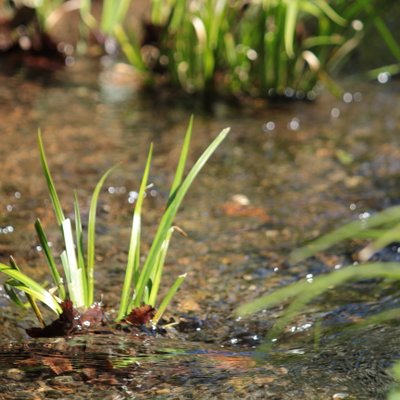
(31, 299)
(31, 287)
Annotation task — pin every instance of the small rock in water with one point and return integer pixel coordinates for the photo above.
(15, 374)
(339, 396)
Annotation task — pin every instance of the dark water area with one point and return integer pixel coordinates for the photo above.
(286, 173)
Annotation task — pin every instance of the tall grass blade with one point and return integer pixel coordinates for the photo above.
(50, 259)
(134, 246)
(130, 48)
(80, 250)
(290, 26)
(387, 36)
(76, 282)
(167, 299)
(169, 215)
(157, 271)
(50, 184)
(180, 169)
(78, 233)
(89, 279)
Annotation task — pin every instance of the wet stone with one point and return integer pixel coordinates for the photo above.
(63, 380)
(15, 374)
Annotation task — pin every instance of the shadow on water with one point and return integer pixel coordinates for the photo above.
(287, 173)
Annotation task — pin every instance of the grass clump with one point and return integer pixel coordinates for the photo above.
(267, 48)
(76, 284)
(263, 48)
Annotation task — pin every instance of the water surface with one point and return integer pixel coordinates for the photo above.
(301, 168)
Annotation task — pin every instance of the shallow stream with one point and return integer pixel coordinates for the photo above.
(287, 173)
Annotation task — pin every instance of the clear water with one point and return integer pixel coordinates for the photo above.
(303, 169)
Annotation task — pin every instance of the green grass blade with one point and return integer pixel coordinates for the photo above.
(31, 299)
(290, 26)
(303, 291)
(31, 287)
(86, 14)
(78, 233)
(156, 12)
(347, 231)
(12, 294)
(79, 248)
(130, 48)
(390, 41)
(134, 245)
(158, 270)
(180, 169)
(75, 283)
(89, 279)
(50, 184)
(330, 12)
(167, 299)
(50, 259)
(387, 237)
(169, 215)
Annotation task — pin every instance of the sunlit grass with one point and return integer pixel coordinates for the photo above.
(261, 48)
(142, 282)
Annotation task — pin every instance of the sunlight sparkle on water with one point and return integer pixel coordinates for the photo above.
(7, 229)
(132, 196)
(335, 113)
(383, 77)
(364, 215)
(116, 189)
(268, 126)
(347, 97)
(294, 124)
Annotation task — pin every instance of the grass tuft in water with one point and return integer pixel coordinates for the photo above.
(76, 284)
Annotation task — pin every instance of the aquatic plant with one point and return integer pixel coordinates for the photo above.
(263, 48)
(382, 229)
(140, 293)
